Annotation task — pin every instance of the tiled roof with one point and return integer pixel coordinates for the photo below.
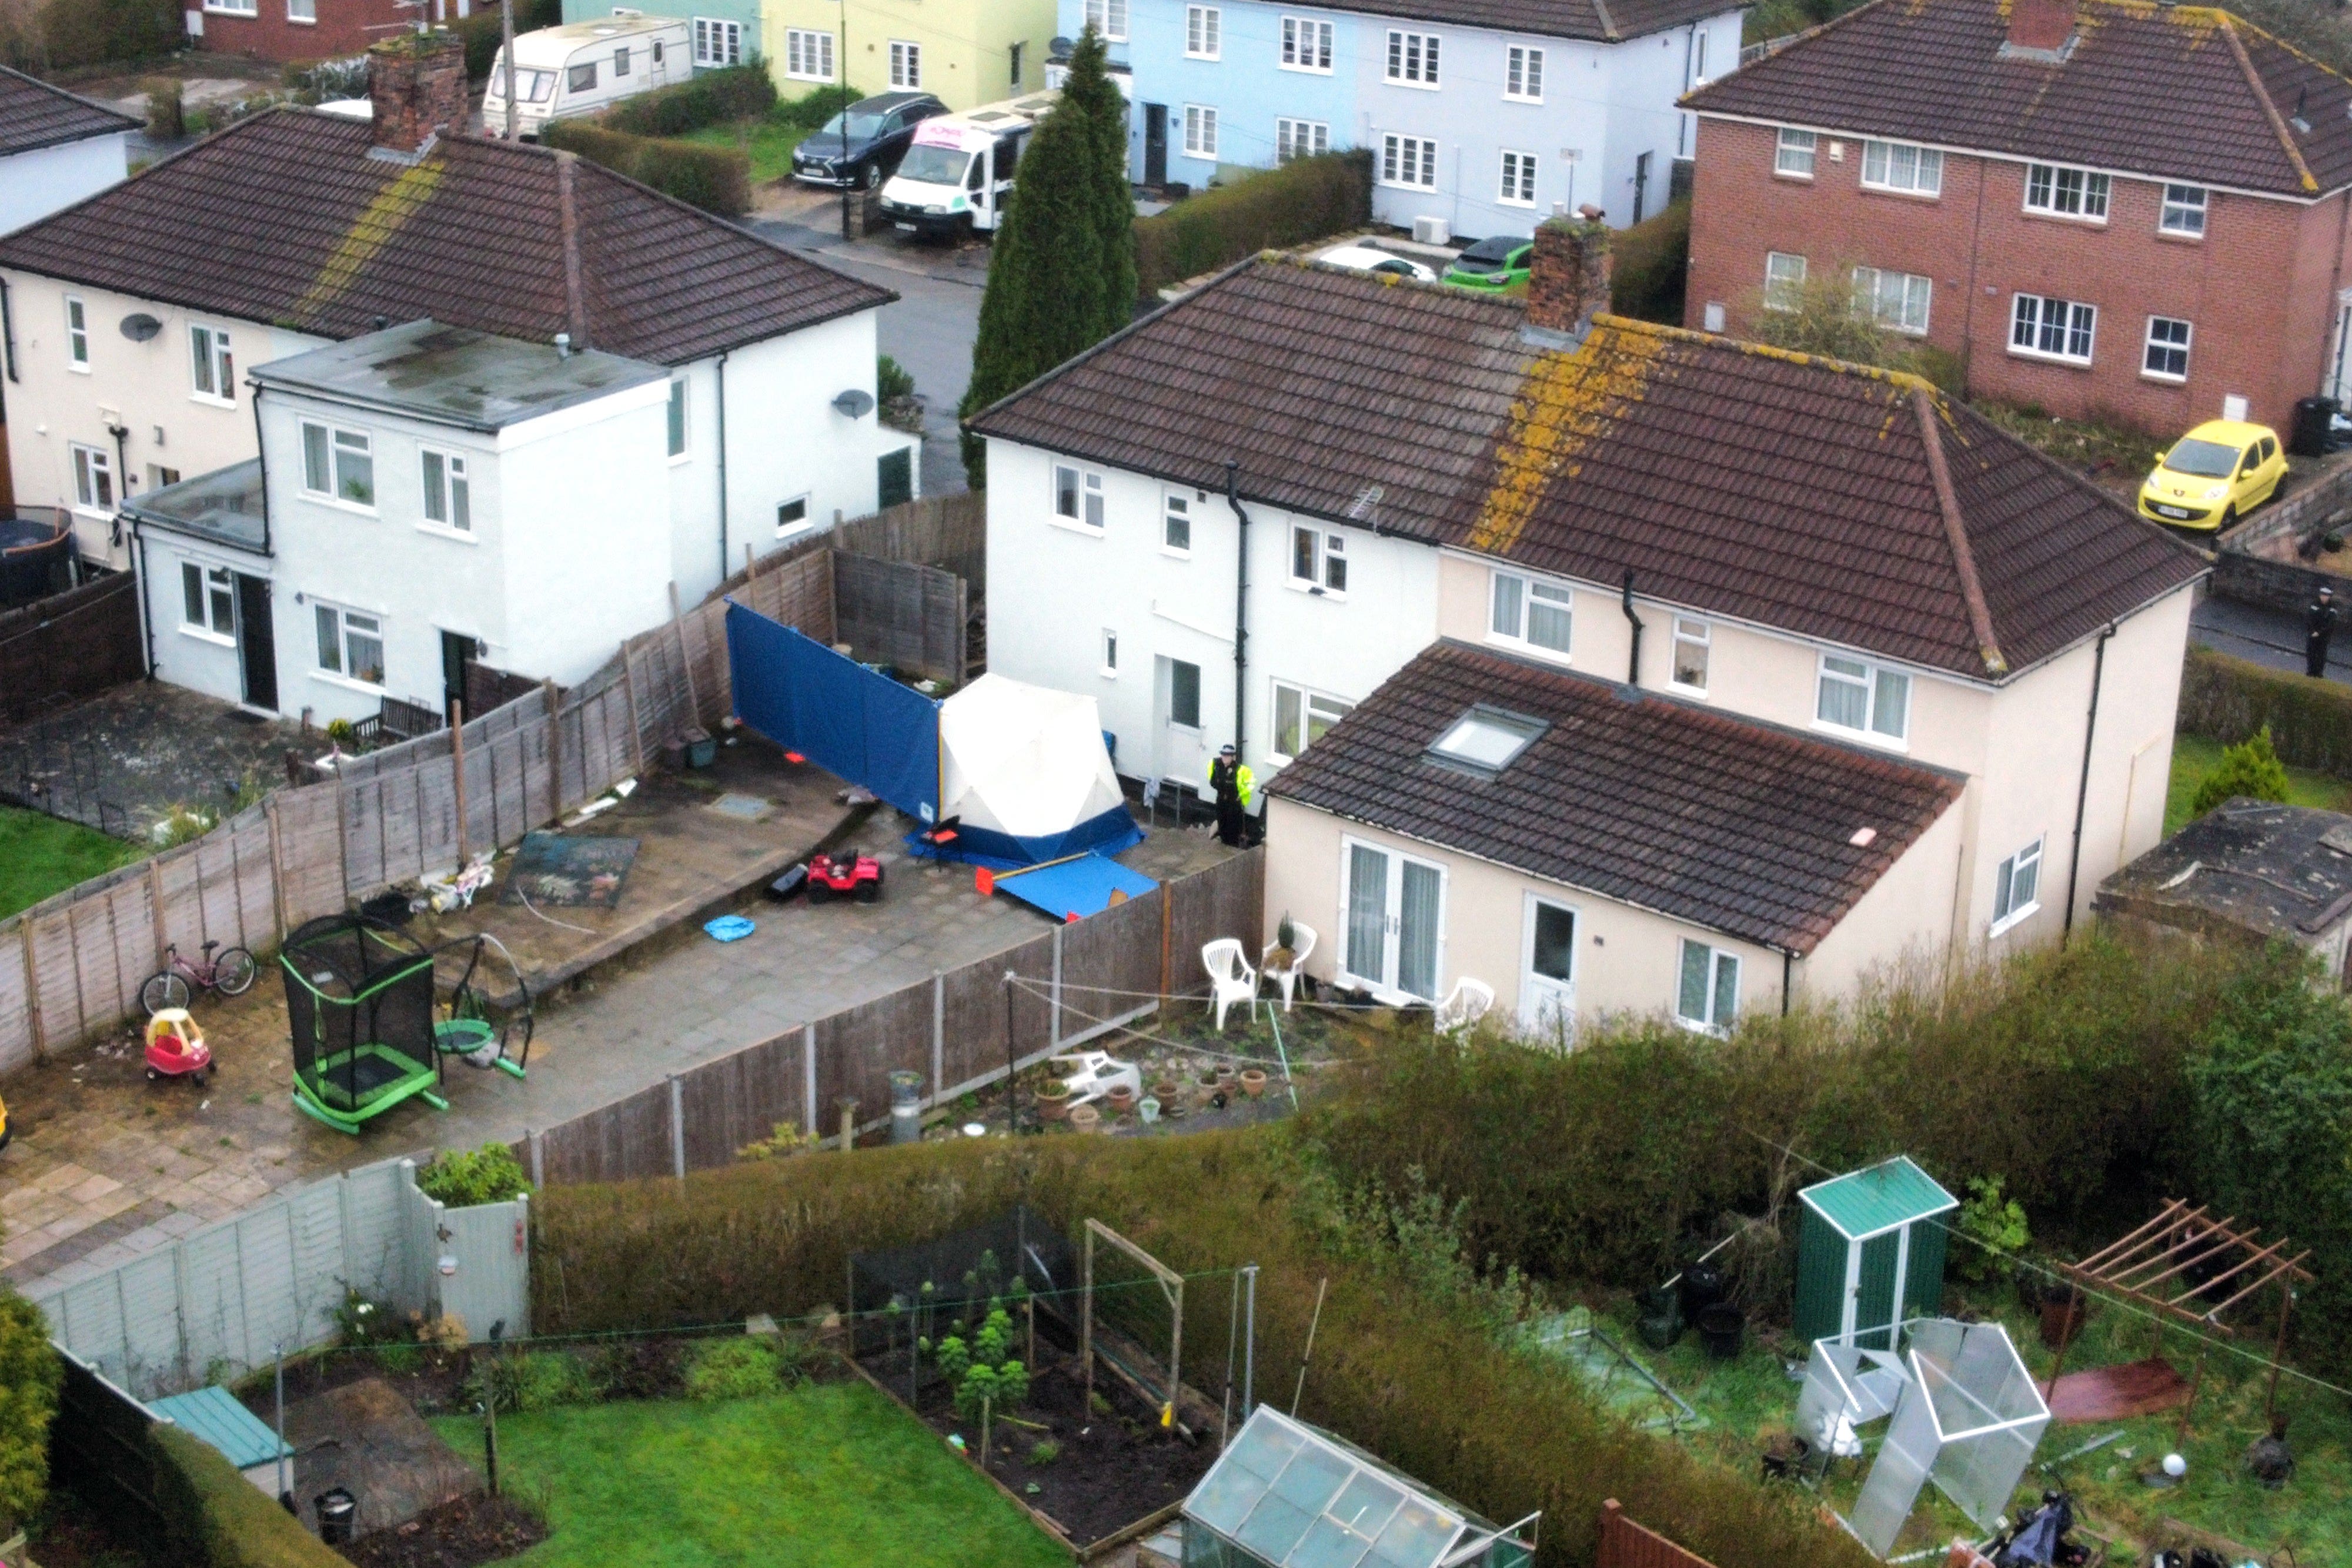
(1789, 492)
(2185, 92)
(1739, 827)
(33, 114)
(1599, 21)
(286, 218)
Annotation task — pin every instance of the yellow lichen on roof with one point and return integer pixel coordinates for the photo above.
(1567, 402)
(377, 223)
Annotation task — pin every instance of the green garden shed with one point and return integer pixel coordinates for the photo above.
(1869, 1253)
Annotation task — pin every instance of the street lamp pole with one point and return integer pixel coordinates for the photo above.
(506, 36)
(846, 181)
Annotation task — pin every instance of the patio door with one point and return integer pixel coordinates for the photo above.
(1547, 981)
(1395, 914)
(257, 642)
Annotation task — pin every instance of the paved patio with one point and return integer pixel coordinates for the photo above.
(120, 760)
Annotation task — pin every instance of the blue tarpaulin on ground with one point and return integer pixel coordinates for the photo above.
(1081, 885)
(848, 719)
(1106, 834)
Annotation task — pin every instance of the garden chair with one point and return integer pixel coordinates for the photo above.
(1464, 1005)
(1231, 979)
(1092, 1074)
(1288, 979)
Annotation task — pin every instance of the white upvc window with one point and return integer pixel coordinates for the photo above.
(1409, 161)
(1301, 717)
(717, 42)
(1078, 496)
(677, 416)
(338, 466)
(1708, 997)
(621, 61)
(1523, 74)
(1518, 188)
(212, 363)
(1176, 524)
(1200, 130)
(1183, 694)
(906, 64)
(1698, 76)
(1110, 652)
(2047, 327)
(1897, 300)
(1693, 639)
(2065, 192)
(234, 8)
(350, 645)
(1532, 612)
(448, 491)
(1903, 166)
(1203, 27)
(2183, 211)
(1793, 153)
(1868, 698)
(808, 54)
(1784, 280)
(2166, 355)
(1319, 560)
(1107, 17)
(77, 335)
(302, 11)
(1305, 44)
(93, 477)
(1300, 139)
(792, 516)
(207, 601)
(2016, 888)
(1412, 59)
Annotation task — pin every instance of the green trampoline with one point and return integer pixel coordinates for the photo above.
(359, 998)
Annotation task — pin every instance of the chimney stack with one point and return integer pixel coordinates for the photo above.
(416, 83)
(2041, 27)
(1568, 279)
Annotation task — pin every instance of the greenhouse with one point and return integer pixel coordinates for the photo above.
(1287, 1495)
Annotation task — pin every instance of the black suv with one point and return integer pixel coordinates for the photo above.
(878, 131)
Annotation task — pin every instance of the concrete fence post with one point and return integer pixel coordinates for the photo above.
(538, 1157)
(677, 1126)
(1054, 1024)
(938, 1035)
(808, 1078)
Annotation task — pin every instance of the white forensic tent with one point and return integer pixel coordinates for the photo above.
(1024, 772)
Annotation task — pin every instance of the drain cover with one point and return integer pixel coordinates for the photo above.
(750, 808)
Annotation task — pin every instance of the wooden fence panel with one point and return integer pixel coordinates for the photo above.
(860, 1047)
(1625, 1544)
(1226, 900)
(621, 1142)
(946, 531)
(976, 1049)
(70, 645)
(1110, 963)
(900, 613)
(16, 1044)
(740, 1099)
(309, 851)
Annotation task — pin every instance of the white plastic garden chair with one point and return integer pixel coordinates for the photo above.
(1464, 1005)
(1288, 978)
(1231, 979)
(1092, 1074)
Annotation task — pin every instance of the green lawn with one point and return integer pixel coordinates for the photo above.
(2194, 758)
(832, 1475)
(42, 855)
(769, 143)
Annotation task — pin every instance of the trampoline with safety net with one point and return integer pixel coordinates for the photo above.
(359, 1001)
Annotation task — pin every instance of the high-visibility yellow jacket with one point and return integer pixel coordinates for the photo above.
(1244, 780)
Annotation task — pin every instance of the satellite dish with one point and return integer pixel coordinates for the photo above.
(854, 403)
(142, 327)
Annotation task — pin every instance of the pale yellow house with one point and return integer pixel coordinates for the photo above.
(964, 52)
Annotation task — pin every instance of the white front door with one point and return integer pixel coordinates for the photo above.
(1547, 977)
(1393, 919)
(1179, 740)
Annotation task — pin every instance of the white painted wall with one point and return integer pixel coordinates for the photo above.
(49, 179)
(194, 656)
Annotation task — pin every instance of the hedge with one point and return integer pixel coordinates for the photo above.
(707, 98)
(219, 1519)
(481, 32)
(66, 33)
(2229, 699)
(716, 179)
(1651, 266)
(1303, 200)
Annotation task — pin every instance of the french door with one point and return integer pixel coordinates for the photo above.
(1395, 919)
(1548, 983)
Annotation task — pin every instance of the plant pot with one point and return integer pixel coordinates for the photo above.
(1253, 1082)
(1166, 1091)
(1702, 1288)
(2063, 1313)
(1662, 1322)
(1279, 960)
(1148, 1109)
(1207, 1080)
(1723, 1329)
(1120, 1098)
(1054, 1101)
(1085, 1118)
(1228, 1081)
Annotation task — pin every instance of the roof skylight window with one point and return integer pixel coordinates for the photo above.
(1487, 740)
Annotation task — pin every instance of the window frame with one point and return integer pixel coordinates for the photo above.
(1297, 34)
(1523, 63)
(98, 488)
(1288, 133)
(1305, 698)
(906, 65)
(1716, 961)
(452, 491)
(1327, 550)
(1205, 32)
(799, 44)
(1200, 117)
(2092, 188)
(213, 348)
(197, 576)
(1196, 725)
(1784, 147)
(1784, 293)
(718, 41)
(308, 17)
(2150, 347)
(340, 672)
(1109, 654)
(2039, 329)
(234, 8)
(678, 427)
(620, 62)
(1559, 597)
(1922, 158)
(2168, 205)
(1089, 495)
(792, 527)
(573, 75)
(1900, 323)
(2007, 912)
(77, 335)
(1874, 673)
(1111, 10)
(1694, 632)
(1424, 150)
(330, 453)
(1412, 59)
(1174, 504)
(1525, 185)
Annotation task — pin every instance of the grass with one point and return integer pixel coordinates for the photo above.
(2102, 448)
(2194, 759)
(768, 143)
(40, 855)
(832, 1475)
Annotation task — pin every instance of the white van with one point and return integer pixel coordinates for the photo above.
(955, 177)
(583, 67)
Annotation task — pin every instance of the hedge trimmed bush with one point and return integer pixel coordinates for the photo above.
(707, 98)
(716, 179)
(1652, 265)
(1303, 200)
(219, 1519)
(29, 1375)
(64, 34)
(463, 1178)
(812, 110)
(2250, 768)
(2229, 699)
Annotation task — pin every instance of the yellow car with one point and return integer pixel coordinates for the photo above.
(2214, 475)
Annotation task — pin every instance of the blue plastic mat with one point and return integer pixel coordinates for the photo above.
(729, 928)
(1080, 885)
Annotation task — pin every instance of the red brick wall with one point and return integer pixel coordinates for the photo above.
(2257, 287)
(344, 28)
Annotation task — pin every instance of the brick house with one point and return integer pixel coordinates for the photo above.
(285, 30)
(2102, 206)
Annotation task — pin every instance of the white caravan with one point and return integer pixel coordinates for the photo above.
(583, 67)
(955, 177)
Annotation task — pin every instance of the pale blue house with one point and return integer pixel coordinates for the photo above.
(1483, 116)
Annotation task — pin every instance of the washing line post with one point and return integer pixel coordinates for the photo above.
(808, 1077)
(1249, 1344)
(938, 1035)
(1054, 1026)
(677, 1126)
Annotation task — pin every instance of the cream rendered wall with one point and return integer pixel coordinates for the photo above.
(146, 387)
(1904, 920)
(965, 44)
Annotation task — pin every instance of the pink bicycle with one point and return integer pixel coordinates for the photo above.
(231, 975)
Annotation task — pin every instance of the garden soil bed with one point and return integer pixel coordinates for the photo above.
(460, 1534)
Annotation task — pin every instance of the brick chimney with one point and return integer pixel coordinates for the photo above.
(1568, 278)
(2040, 27)
(417, 83)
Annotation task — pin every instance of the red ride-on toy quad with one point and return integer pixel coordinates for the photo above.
(841, 876)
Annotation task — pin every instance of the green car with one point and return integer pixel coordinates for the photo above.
(1494, 264)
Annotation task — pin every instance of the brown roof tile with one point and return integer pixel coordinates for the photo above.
(1933, 71)
(33, 114)
(1739, 827)
(287, 219)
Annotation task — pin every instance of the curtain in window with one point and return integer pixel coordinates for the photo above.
(1845, 693)
(1368, 911)
(1692, 1004)
(1417, 937)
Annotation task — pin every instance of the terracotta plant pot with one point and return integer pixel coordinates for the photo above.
(1054, 1101)
(1120, 1098)
(1208, 1079)
(1253, 1082)
(1166, 1091)
(1228, 1081)
(1085, 1118)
